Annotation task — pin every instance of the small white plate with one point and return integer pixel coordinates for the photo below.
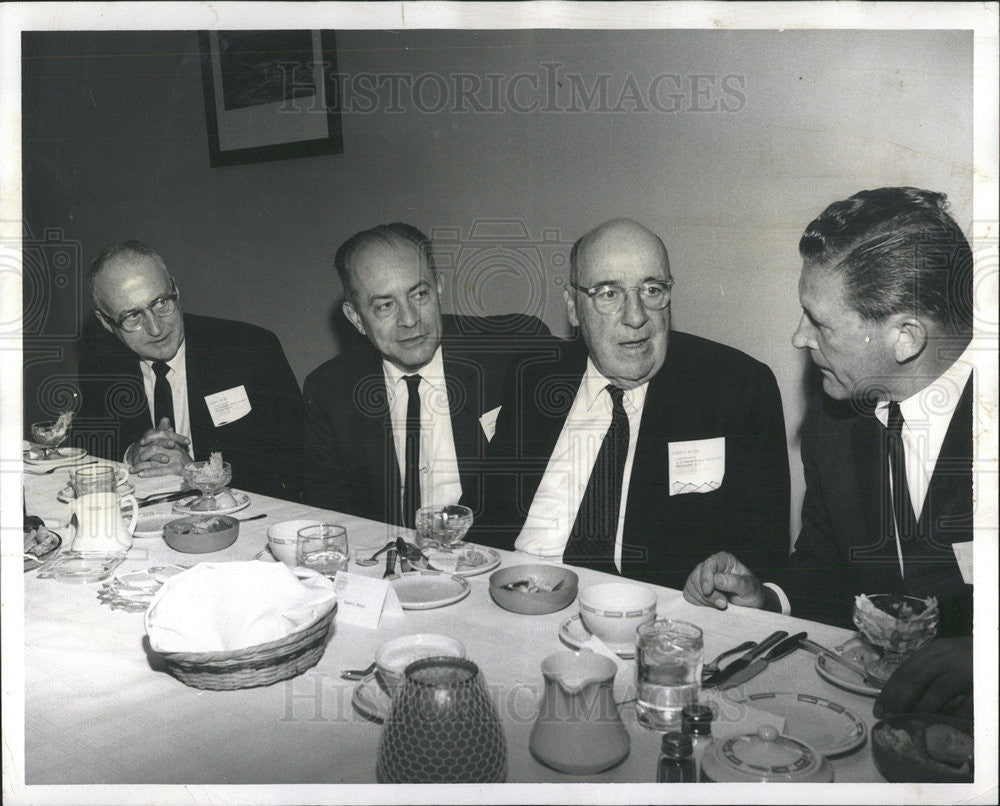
(151, 524)
(67, 493)
(242, 502)
(575, 633)
(445, 561)
(843, 678)
(371, 699)
(33, 456)
(825, 725)
(425, 590)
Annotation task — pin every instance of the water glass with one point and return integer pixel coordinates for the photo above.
(323, 547)
(93, 479)
(669, 657)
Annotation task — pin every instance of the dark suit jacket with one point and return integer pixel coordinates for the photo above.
(704, 390)
(264, 447)
(352, 465)
(847, 544)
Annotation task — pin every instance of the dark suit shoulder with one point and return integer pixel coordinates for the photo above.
(351, 363)
(212, 330)
(687, 351)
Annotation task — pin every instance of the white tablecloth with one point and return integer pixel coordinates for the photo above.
(100, 709)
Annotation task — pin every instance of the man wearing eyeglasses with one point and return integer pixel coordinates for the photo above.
(402, 421)
(638, 447)
(163, 388)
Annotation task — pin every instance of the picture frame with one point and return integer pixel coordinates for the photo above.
(270, 95)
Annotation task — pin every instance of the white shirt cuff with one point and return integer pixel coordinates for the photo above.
(786, 607)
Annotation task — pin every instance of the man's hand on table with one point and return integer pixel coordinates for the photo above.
(159, 452)
(935, 679)
(722, 580)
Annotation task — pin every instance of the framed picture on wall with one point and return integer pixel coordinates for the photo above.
(270, 95)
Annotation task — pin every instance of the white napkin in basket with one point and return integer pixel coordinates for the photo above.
(215, 607)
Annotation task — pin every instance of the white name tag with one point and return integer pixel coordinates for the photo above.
(963, 554)
(489, 422)
(362, 600)
(228, 406)
(697, 465)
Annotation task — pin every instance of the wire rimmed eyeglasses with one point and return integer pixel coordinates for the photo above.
(608, 298)
(132, 321)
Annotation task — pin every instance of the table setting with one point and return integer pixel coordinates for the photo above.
(206, 638)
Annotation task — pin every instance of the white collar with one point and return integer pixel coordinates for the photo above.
(176, 363)
(594, 382)
(938, 399)
(432, 372)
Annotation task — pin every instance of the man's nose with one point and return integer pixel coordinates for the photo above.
(154, 327)
(804, 335)
(634, 313)
(408, 316)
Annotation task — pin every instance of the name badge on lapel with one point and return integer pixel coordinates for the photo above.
(228, 406)
(697, 465)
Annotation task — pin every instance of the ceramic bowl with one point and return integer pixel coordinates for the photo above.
(901, 753)
(392, 658)
(534, 603)
(283, 536)
(613, 611)
(201, 534)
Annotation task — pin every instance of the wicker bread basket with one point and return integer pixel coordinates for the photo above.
(259, 665)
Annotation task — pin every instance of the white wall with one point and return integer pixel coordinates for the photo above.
(115, 147)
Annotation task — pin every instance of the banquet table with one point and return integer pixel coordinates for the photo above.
(101, 708)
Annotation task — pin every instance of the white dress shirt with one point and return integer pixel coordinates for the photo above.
(177, 377)
(926, 417)
(439, 480)
(553, 510)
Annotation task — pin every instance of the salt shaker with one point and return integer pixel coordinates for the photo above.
(676, 765)
(696, 722)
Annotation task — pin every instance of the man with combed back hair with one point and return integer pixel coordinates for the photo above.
(886, 293)
(403, 420)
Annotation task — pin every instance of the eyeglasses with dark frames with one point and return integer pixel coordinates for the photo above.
(608, 298)
(133, 321)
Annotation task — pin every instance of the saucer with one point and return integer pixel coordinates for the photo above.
(371, 699)
(67, 494)
(843, 678)
(574, 633)
(242, 502)
(66, 456)
(425, 590)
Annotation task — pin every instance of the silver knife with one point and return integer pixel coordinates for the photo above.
(757, 666)
(745, 660)
(169, 497)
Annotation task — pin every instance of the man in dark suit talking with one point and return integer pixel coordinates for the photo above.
(163, 388)
(403, 420)
(637, 449)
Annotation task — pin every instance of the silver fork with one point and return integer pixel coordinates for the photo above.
(712, 668)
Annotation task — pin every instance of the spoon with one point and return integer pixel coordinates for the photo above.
(374, 558)
(253, 517)
(357, 674)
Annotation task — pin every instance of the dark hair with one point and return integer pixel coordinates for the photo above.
(899, 251)
(385, 234)
(122, 249)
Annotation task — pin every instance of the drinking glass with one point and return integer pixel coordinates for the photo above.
(669, 657)
(93, 479)
(323, 547)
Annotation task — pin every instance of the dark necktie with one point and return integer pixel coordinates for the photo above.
(592, 539)
(902, 508)
(163, 399)
(411, 479)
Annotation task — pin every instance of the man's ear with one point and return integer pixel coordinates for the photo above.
(911, 339)
(353, 318)
(104, 324)
(571, 307)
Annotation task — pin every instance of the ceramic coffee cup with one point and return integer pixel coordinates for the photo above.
(613, 611)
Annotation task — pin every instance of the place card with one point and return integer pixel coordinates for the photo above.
(362, 600)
